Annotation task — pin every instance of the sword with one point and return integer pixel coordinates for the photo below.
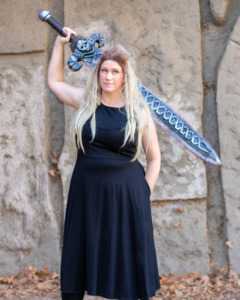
(86, 51)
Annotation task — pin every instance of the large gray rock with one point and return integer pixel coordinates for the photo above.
(228, 95)
(20, 28)
(219, 10)
(29, 230)
(180, 236)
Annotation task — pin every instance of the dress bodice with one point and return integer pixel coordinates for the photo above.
(110, 132)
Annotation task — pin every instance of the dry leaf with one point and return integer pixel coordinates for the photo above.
(176, 225)
(54, 152)
(213, 263)
(54, 161)
(165, 282)
(179, 210)
(55, 276)
(27, 252)
(171, 289)
(194, 274)
(52, 172)
(205, 280)
(229, 244)
(9, 279)
(44, 286)
(218, 283)
(3, 280)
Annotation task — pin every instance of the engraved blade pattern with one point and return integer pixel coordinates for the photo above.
(178, 128)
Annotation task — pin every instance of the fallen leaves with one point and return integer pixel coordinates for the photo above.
(220, 284)
(9, 280)
(179, 210)
(31, 284)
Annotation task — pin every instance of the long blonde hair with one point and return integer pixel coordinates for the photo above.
(134, 102)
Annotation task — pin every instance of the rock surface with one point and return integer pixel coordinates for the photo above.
(179, 245)
(228, 95)
(20, 28)
(219, 10)
(29, 230)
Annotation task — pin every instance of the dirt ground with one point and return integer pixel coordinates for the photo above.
(220, 284)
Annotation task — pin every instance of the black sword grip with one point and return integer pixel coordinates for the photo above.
(55, 25)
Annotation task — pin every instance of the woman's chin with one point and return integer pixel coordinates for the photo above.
(110, 89)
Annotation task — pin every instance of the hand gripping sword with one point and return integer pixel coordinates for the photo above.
(86, 51)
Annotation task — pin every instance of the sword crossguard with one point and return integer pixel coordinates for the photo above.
(83, 49)
(86, 51)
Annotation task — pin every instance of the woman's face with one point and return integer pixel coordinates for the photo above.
(111, 77)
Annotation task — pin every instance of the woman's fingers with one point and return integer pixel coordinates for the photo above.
(68, 31)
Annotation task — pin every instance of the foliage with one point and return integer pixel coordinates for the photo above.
(220, 284)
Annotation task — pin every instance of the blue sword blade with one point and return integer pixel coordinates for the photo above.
(178, 128)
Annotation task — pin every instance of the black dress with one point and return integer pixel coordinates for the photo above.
(108, 247)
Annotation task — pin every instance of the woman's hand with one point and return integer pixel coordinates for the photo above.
(65, 40)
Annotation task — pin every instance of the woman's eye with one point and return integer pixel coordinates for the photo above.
(103, 70)
(115, 71)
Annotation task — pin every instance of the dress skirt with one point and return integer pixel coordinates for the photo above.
(108, 247)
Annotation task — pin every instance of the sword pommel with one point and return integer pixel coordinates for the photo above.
(44, 15)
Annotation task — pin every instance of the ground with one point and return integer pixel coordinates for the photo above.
(220, 284)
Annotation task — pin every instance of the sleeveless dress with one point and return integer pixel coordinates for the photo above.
(108, 246)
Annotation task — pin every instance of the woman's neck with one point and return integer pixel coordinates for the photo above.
(114, 100)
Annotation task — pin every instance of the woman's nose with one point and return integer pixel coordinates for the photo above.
(109, 75)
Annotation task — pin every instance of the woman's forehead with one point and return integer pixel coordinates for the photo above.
(111, 64)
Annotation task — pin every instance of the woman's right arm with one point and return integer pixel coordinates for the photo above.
(65, 92)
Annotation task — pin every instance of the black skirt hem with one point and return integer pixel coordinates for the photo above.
(113, 297)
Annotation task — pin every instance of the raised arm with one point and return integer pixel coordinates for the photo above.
(67, 93)
(152, 151)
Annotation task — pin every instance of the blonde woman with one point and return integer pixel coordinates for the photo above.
(108, 247)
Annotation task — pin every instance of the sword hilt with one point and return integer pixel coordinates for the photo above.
(45, 16)
(83, 49)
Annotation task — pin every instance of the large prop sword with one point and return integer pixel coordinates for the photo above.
(86, 51)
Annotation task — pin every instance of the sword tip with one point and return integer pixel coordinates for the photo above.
(214, 159)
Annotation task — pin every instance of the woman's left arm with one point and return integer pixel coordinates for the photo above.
(152, 151)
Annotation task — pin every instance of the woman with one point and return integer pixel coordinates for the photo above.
(108, 247)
